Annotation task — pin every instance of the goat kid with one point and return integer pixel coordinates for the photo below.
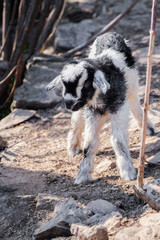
(104, 85)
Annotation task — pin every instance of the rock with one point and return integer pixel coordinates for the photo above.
(113, 223)
(148, 228)
(16, 117)
(68, 37)
(100, 206)
(155, 159)
(152, 219)
(100, 210)
(47, 201)
(103, 166)
(65, 213)
(153, 189)
(41, 69)
(89, 233)
(3, 143)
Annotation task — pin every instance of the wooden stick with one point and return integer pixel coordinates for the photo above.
(63, 5)
(143, 195)
(147, 92)
(104, 30)
(10, 27)
(5, 23)
(53, 16)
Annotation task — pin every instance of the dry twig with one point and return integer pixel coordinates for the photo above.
(104, 30)
(140, 192)
(147, 92)
(61, 11)
(143, 195)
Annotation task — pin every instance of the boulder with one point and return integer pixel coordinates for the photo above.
(41, 69)
(70, 35)
(65, 213)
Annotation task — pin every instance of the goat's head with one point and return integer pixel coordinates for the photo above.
(80, 80)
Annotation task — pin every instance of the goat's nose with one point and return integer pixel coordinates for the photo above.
(69, 104)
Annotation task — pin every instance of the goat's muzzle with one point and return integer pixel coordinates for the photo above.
(74, 106)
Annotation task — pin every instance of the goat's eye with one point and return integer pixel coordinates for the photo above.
(86, 84)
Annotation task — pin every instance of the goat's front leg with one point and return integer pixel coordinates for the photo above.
(74, 135)
(93, 124)
(119, 140)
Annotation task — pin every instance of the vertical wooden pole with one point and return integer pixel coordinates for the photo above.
(147, 92)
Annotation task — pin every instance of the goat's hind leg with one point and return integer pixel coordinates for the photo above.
(119, 140)
(75, 134)
(136, 109)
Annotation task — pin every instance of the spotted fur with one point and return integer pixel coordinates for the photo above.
(104, 85)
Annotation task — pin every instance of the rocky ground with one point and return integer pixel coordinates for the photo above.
(37, 192)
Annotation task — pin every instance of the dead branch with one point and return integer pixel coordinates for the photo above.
(53, 16)
(143, 195)
(6, 80)
(22, 11)
(30, 19)
(6, 19)
(39, 27)
(147, 92)
(104, 30)
(7, 41)
(61, 11)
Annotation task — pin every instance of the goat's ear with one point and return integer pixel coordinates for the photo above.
(54, 83)
(100, 82)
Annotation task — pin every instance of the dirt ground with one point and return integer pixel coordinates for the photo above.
(35, 161)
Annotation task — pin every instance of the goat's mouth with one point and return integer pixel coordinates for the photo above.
(77, 105)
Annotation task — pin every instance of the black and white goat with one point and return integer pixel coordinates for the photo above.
(104, 85)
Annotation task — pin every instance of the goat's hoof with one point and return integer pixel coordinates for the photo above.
(83, 179)
(73, 152)
(128, 175)
(151, 131)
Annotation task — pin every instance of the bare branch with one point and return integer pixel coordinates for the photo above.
(104, 30)
(6, 80)
(29, 21)
(50, 22)
(147, 92)
(143, 195)
(39, 28)
(6, 19)
(7, 39)
(55, 26)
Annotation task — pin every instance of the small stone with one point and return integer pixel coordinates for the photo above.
(113, 223)
(81, 232)
(16, 117)
(104, 166)
(155, 159)
(100, 206)
(153, 189)
(47, 201)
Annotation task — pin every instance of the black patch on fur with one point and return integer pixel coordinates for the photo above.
(116, 42)
(70, 87)
(85, 152)
(88, 91)
(116, 95)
